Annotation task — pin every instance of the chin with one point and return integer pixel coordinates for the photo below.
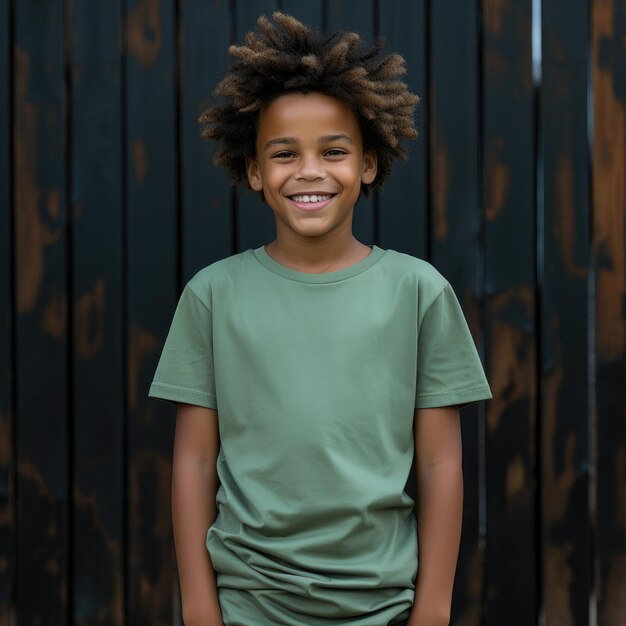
(312, 233)
(310, 230)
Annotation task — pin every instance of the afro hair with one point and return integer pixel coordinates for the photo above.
(288, 57)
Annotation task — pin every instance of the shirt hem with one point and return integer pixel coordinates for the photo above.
(174, 394)
(462, 397)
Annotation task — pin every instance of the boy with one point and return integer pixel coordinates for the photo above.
(309, 371)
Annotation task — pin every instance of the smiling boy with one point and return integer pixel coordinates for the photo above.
(309, 146)
(310, 371)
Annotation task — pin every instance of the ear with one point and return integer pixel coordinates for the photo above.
(370, 167)
(254, 174)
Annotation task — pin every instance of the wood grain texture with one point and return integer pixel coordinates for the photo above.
(609, 254)
(566, 535)
(97, 201)
(403, 201)
(7, 416)
(205, 31)
(456, 224)
(255, 220)
(41, 324)
(509, 198)
(153, 287)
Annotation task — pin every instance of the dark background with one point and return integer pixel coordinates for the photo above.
(109, 203)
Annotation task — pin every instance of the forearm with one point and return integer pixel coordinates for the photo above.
(440, 489)
(194, 486)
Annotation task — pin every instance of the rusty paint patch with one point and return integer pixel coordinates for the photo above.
(53, 203)
(515, 478)
(558, 583)
(565, 216)
(613, 606)
(557, 487)
(140, 160)
(511, 353)
(33, 233)
(145, 34)
(151, 528)
(609, 190)
(54, 315)
(495, 14)
(141, 345)
(28, 471)
(498, 177)
(89, 321)
(440, 182)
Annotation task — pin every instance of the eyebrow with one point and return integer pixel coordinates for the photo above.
(290, 141)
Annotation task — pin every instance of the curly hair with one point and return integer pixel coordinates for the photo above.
(289, 57)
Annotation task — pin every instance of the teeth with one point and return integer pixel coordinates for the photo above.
(318, 198)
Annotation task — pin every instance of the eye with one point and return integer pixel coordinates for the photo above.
(283, 154)
(335, 152)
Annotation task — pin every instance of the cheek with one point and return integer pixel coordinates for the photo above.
(275, 176)
(349, 173)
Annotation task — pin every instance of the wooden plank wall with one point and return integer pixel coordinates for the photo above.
(564, 454)
(109, 203)
(7, 452)
(608, 28)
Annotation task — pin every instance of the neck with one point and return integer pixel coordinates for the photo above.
(317, 254)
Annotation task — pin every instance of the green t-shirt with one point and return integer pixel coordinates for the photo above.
(315, 378)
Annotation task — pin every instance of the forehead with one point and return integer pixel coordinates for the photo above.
(307, 115)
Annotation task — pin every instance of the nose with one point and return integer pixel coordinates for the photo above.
(311, 168)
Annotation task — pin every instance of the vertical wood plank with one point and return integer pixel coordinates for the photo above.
(255, 220)
(207, 221)
(403, 201)
(566, 536)
(41, 371)
(509, 197)
(357, 16)
(97, 203)
(7, 458)
(152, 292)
(456, 236)
(609, 252)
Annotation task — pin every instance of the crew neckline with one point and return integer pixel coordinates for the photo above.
(325, 277)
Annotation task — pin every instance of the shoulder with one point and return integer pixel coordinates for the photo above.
(428, 280)
(223, 271)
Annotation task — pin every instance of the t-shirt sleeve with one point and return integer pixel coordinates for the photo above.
(449, 369)
(185, 371)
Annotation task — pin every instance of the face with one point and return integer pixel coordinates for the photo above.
(310, 164)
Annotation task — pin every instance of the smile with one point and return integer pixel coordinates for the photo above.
(312, 198)
(310, 202)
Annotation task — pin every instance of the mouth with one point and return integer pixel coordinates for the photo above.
(312, 201)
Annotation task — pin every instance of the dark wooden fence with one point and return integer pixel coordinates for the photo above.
(108, 203)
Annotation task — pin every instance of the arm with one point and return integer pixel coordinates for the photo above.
(194, 487)
(438, 470)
